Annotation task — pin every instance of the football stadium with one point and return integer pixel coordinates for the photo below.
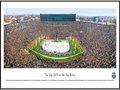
(59, 41)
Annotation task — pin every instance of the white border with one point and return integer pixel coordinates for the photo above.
(81, 73)
(59, 4)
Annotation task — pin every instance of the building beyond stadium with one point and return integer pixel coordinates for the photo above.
(57, 17)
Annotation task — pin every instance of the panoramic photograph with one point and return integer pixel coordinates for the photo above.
(59, 38)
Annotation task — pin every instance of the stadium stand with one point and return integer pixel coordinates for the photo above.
(99, 41)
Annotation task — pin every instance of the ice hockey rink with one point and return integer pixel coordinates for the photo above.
(55, 47)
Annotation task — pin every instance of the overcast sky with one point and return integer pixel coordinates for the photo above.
(77, 11)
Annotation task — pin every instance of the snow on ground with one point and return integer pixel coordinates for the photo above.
(55, 47)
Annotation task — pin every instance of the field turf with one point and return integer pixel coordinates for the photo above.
(76, 50)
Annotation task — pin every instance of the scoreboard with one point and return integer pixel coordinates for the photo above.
(57, 17)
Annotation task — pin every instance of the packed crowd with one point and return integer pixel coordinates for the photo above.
(99, 41)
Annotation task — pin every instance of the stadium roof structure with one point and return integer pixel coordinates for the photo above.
(62, 50)
(57, 17)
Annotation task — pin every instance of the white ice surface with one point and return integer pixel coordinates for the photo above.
(55, 47)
